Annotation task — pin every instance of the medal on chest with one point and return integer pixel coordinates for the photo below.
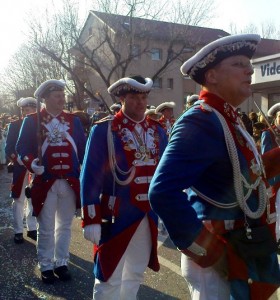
(56, 129)
(139, 139)
(139, 136)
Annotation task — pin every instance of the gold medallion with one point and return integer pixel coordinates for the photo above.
(137, 155)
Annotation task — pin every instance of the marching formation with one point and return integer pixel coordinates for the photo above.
(208, 179)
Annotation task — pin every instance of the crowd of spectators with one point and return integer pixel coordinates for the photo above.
(5, 119)
(255, 124)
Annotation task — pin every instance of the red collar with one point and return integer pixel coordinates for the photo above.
(47, 117)
(220, 105)
(121, 118)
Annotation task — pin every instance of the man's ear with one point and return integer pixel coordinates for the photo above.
(122, 99)
(210, 76)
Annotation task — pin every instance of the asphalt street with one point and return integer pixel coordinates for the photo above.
(20, 277)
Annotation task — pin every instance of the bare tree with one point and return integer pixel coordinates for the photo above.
(111, 50)
(26, 70)
(52, 35)
(105, 56)
(267, 30)
(177, 11)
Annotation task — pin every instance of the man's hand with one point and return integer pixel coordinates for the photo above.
(38, 170)
(92, 233)
(19, 161)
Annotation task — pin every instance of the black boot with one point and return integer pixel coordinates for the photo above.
(48, 277)
(278, 247)
(62, 273)
(18, 238)
(32, 234)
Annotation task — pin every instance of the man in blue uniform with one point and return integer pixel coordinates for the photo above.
(59, 142)
(167, 115)
(121, 155)
(270, 139)
(224, 224)
(20, 176)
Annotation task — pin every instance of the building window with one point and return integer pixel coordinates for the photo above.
(136, 50)
(156, 54)
(170, 83)
(157, 83)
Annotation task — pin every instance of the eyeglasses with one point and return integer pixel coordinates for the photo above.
(241, 65)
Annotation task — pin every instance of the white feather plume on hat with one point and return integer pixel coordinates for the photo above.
(29, 101)
(213, 53)
(192, 98)
(115, 106)
(164, 105)
(49, 86)
(131, 84)
(152, 111)
(273, 110)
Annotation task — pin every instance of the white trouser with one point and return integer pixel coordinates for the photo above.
(54, 226)
(204, 283)
(277, 229)
(2, 151)
(19, 209)
(129, 273)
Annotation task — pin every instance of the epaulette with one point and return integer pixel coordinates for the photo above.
(105, 119)
(16, 121)
(205, 107)
(266, 129)
(33, 115)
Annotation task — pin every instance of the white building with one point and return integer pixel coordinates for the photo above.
(266, 80)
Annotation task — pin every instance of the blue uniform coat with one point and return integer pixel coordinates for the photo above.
(96, 180)
(19, 171)
(197, 158)
(73, 145)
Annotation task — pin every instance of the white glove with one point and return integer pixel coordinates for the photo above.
(92, 233)
(19, 161)
(38, 170)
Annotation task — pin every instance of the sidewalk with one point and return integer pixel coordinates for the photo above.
(20, 277)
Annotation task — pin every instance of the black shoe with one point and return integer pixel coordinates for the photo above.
(32, 234)
(63, 273)
(48, 277)
(18, 238)
(278, 247)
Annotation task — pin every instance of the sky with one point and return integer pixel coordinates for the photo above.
(244, 12)
(14, 13)
(13, 17)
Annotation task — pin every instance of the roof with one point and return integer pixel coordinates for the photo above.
(267, 47)
(197, 36)
(160, 29)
